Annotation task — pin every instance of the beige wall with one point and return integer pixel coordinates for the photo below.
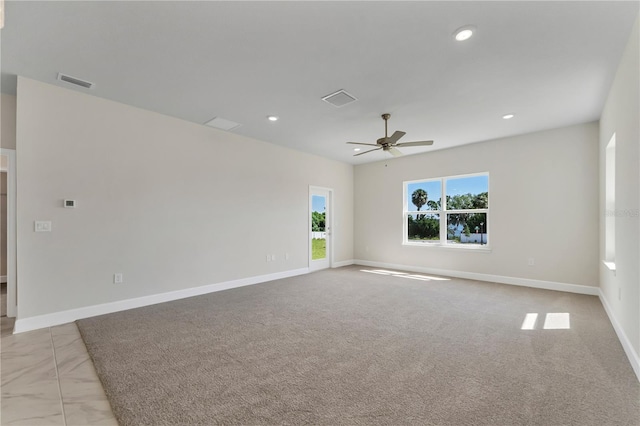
(8, 121)
(620, 116)
(168, 203)
(543, 204)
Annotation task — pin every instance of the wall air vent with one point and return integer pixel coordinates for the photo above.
(75, 81)
(339, 98)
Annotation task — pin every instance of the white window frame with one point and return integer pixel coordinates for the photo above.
(443, 242)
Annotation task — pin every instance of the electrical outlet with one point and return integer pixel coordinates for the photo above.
(531, 261)
(118, 278)
(273, 257)
(42, 226)
(287, 256)
(268, 258)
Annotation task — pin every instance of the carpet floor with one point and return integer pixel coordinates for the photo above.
(357, 345)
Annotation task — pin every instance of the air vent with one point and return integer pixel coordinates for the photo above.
(76, 81)
(222, 123)
(339, 98)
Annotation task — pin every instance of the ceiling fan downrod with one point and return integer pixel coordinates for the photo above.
(385, 117)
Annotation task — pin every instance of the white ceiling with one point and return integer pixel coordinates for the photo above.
(550, 63)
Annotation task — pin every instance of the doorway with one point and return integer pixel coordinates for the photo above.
(8, 215)
(320, 228)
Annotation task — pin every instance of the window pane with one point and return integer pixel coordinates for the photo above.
(318, 248)
(423, 227)
(318, 213)
(468, 193)
(318, 218)
(423, 196)
(467, 228)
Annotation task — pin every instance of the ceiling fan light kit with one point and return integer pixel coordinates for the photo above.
(390, 143)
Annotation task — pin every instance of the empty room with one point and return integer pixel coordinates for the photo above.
(319, 212)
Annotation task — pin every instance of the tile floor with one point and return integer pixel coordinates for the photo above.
(47, 378)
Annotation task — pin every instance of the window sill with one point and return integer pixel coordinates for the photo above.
(610, 265)
(457, 247)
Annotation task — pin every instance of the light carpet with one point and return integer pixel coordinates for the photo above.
(357, 345)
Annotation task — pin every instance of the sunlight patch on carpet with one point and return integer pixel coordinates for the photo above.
(404, 275)
(552, 321)
(529, 322)
(557, 321)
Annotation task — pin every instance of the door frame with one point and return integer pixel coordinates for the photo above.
(329, 228)
(12, 305)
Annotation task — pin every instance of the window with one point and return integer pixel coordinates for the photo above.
(451, 211)
(610, 203)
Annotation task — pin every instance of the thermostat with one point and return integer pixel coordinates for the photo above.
(70, 204)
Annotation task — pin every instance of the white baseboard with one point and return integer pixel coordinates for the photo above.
(342, 263)
(64, 317)
(3, 279)
(634, 359)
(525, 282)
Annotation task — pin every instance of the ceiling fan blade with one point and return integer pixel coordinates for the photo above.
(360, 143)
(364, 152)
(395, 136)
(417, 143)
(391, 150)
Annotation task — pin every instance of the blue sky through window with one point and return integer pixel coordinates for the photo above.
(467, 185)
(318, 203)
(433, 188)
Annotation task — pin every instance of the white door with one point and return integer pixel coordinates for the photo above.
(319, 228)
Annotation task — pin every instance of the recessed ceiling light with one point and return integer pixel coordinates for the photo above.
(464, 33)
(356, 149)
(508, 116)
(272, 118)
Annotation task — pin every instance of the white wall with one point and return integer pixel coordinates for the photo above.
(543, 185)
(620, 116)
(168, 203)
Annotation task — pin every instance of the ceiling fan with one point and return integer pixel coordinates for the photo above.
(389, 143)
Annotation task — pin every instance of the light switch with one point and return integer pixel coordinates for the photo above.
(43, 226)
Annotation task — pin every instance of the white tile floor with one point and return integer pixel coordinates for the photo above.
(47, 378)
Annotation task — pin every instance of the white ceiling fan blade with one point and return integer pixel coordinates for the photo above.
(395, 136)
(417, 143)
(371, 150)
(391, 150)
(360, 143)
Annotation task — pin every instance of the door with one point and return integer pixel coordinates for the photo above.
(319, 228)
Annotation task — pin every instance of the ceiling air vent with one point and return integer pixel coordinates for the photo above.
(339, 98)
(76, 81)
(222, 123)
